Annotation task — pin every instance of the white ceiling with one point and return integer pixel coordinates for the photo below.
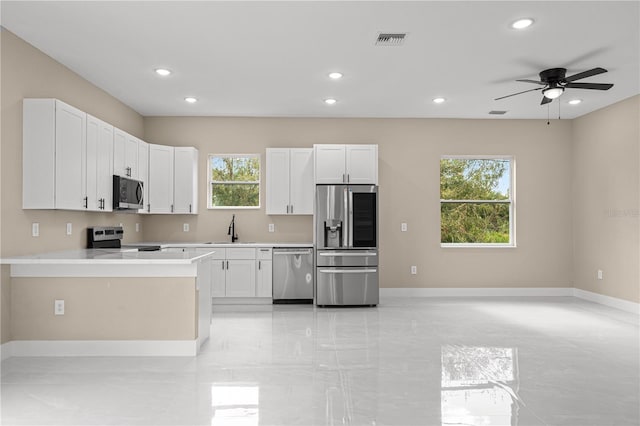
(272, 58)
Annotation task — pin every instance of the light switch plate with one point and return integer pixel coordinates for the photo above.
(414, 270)
(272, 227)
(185, 227)
(403, 227)
(35, 229)
(137, 227)
(69, 228)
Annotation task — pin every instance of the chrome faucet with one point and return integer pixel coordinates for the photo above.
(232, 229)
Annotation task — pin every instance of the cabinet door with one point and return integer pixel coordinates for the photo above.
(241, 278)
(301, 188)
(104, 167)
(93, 138)
(362, 164)
(143, 173)
(99, 164)
(71, 136)
(278, 181)
(160, 178)
(329, 163)
(185, 180)
(125, 154)
(218, 278)
(264, 278)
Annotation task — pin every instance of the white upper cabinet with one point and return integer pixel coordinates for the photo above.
(125, 154)
(185, 180)
(354, 164)
(289, 181)
(143, 173)
(54, 155)
(99, 165)
(173, 179)
(160, 179)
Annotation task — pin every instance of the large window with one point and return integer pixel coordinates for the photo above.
(476, 201)
(234, 181)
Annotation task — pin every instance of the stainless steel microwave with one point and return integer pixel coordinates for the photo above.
(127, 193)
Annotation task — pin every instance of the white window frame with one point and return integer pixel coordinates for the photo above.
(211, 182)
(511, 201)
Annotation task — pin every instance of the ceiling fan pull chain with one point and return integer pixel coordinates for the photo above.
(548, 120)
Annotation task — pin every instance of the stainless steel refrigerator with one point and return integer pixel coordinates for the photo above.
(346, 238)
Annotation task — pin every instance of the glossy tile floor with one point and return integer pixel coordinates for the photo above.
(502, 361)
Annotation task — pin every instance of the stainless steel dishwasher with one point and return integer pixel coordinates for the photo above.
(293, 275)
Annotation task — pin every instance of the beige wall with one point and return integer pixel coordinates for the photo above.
(606, 201)
(5, 304)
(104, 309)
(409, 154)
(28, 73)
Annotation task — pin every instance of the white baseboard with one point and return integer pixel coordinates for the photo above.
(103, 348)
(477, 292)
(613, 302)
(6, 350)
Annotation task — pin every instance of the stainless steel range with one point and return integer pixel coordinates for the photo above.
(346, 238)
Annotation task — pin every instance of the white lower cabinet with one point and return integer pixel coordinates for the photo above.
(241, 272)
(264, 273)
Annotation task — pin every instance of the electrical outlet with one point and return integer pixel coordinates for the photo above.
(137, 227)
(35, 229)
(272, 227)
(414, 270)
(185, 227)
(599, 274)
(69, 228)
(403, 227)
(58, 307)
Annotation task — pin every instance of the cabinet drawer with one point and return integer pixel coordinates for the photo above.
(263, 253)
(241, 253)
(220, 253)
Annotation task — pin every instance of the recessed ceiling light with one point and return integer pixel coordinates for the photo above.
(521, 24)
(163, 71)
(438, 100)
(335, 75)
(190, 99)
(330, 101)
(575, 101)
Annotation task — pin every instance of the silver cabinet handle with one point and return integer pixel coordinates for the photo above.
(347, 271)
(171, 208)
(86, 202)
(227, 264)
(345, 254)
(189, 208)
(259, 264)
(292, 208)
(223, 265)
(348, 178)
(287, 208)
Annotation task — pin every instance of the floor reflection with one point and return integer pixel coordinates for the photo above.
(479, 386)
(235, 405)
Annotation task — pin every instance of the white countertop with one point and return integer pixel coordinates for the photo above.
(167, 256)
(218, 244)
(171, 253)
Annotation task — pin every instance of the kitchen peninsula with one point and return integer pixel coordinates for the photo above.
(110, 302)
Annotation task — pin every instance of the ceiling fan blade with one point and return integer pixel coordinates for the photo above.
(594, 86)
(545, 100)
(533, 81)
(513, 94)
(585, 74)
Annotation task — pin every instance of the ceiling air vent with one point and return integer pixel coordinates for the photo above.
(390, 39)
(497, 112)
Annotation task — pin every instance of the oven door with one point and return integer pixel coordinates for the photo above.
(357, 286)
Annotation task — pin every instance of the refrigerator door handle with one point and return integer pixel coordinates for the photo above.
(347, 271)
(345, 238)
(350, 212)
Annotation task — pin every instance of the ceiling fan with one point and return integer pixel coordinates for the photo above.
(554, 82)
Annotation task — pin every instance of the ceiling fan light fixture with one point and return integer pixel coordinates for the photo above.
(553, 92)
(521, 24)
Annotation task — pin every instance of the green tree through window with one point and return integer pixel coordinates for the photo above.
(476, 201)
(234, 180)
